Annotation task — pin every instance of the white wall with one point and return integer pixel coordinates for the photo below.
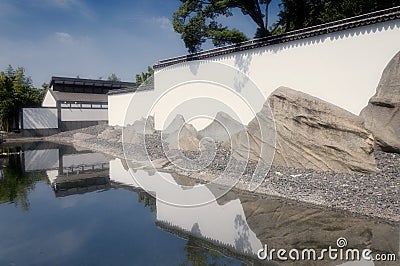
(39, 118)
(49, 100)
(343, 68)
(84, 114)
(117, 106)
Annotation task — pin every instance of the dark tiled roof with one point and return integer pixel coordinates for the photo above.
(91, 82)
(148, 86)
(122, 91)
(79, 97)
(345, 24)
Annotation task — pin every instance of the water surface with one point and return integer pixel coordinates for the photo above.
(60, 206)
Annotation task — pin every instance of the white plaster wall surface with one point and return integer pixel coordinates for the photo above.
(117, 106)
(84, 115)
(39, 118)
(49, 100)
(342, 68)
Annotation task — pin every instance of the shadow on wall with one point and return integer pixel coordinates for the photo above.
(40, 118)
(365, 30)
(243, 59)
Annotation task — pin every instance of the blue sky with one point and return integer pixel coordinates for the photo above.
(93, 38)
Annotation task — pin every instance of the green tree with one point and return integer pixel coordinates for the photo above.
(297, 14)
(16, 91)
(45, 86)
(113, 77)
(141, 78)
(197, 21)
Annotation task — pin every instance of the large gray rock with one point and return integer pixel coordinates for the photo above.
(222, 128)
(315, 134)
(176, 124)
(310, 133)
(382, 114)
(184, 139)
(257, 141)
(144, 125)
(130, 136)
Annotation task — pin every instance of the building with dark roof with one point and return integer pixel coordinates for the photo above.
(70, 103)
(81, 102)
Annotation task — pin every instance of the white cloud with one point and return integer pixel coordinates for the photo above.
(64, 37)
(164, 23)
(74, 5)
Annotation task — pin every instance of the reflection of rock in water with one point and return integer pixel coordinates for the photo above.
(281, 224)
(239, 224)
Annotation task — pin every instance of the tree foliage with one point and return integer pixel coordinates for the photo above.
(297, 14)
(198, 20)
(113, 77)
(16, 184)
(142, 77)
(16, 91)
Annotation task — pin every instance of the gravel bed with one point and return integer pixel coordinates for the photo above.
(374, 195)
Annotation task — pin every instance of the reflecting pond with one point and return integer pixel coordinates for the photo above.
(62, 206)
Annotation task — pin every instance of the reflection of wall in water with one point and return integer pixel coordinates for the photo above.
(69, 171)
(224, 225)
(64, 159)
(38, 160)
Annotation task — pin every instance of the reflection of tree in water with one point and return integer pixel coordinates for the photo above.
(148, 200)
(16, 184)
(199, 256)
(242, 242)
(196, 230)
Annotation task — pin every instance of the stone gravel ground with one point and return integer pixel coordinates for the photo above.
(375, 195)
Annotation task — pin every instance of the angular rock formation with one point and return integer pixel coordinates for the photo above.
(130, 136)
(382, 114)
(222, 128)
(175, 125)
(144, 126)
(310, 133)
(257, 141)
(184, 139)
